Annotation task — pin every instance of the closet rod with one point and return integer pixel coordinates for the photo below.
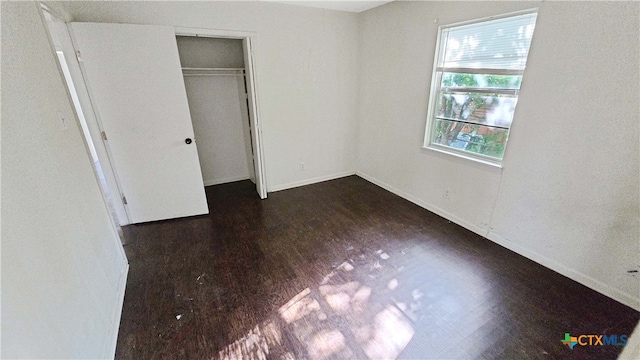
(185, 75)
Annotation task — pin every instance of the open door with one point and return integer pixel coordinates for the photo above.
(133, 77)
(256, 131)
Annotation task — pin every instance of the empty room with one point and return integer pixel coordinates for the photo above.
(320, 180)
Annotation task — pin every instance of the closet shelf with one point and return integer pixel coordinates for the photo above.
(211, 69)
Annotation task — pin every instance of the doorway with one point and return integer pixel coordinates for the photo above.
(216, 85)
(142, 119)
(67, 62)
(219, 72)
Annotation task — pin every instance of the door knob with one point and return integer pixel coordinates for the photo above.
(188, 141)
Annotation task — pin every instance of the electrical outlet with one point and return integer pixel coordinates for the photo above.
(301, 166)
(446, 194)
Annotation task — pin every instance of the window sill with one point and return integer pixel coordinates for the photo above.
(461, 156)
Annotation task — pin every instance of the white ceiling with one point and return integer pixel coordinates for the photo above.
(351, 6)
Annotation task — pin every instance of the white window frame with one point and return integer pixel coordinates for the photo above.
(436, 80)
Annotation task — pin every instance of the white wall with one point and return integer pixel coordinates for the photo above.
(63, 269)
(216, 113)
(200, 52)
(570, 186)
(306, 75)
(567, 196)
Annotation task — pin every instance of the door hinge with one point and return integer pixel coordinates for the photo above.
(104, 135)
(78, 56)
(124, 199)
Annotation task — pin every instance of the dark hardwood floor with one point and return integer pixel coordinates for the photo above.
(344, 269)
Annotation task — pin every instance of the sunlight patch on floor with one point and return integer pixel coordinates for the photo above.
(254, 345)
(390, 334)
(326, 343)
(335, 319)
(300, 306)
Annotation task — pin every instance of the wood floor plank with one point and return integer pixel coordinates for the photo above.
(344, 269)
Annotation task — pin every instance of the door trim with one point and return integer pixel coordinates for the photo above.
(91, 118)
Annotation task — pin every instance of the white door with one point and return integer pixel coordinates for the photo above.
(135, 81)
(256, 132)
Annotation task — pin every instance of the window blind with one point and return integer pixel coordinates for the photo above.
(495, 44)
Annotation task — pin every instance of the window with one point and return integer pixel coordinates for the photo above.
(477, 75)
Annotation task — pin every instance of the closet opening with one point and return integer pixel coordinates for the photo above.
(218, 78)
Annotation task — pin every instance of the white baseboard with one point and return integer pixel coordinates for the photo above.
(572, 274)
(615, 294)
(224, 180)
(115, 322)
(310, 181)
(434, 209)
